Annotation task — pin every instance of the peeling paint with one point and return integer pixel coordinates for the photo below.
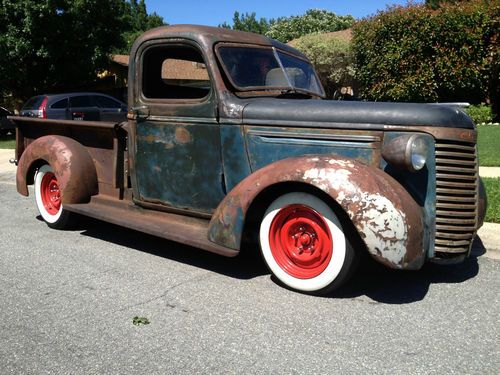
(380, 209)
(383, 226)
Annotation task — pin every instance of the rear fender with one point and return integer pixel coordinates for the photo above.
(73, 166)
(386, 217)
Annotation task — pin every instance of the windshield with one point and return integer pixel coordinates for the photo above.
(259, 68)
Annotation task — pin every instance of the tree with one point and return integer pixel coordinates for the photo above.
(56, 45)
(248, 22)
(415, 53)
(435, 4)
(332, 58)
(137, 21)
(313, 21)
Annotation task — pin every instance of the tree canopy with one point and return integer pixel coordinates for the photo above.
(416, 53)
(58, 44)
(333, 60)
(285, 29)
(248, 22)
(313, 21)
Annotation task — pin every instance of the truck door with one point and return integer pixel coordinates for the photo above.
(177, 161)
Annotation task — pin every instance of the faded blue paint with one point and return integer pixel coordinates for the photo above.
(234, 155)
(266, 145)
(179, 165)
(420, 185)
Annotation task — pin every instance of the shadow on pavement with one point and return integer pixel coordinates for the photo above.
(371, 279)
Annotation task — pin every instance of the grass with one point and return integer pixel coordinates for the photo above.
(487, 145)
(492, 186)
(7, 141)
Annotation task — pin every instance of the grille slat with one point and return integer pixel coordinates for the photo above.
(443, 220)
(452, 169)
(455, 162)
(449, 154)
(452, 250)
(455, 199)
(456, 196)
(444, 213)
(455, 191)
(456, 176)
(456, 236)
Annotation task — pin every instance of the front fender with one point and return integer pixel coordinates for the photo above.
(71, 162)
(387, 218)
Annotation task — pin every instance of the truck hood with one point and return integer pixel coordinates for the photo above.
(329, 113)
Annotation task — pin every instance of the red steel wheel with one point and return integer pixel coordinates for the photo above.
(303, 244)
(50, 193)
(48, 199)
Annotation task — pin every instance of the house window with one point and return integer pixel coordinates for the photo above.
(174, 72)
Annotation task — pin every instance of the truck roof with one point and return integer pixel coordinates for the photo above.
(207, 36)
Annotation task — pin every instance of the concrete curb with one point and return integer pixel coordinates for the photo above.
(5, 166)
(489, 234)
(489, 172)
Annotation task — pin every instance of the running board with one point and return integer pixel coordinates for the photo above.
(184, 229)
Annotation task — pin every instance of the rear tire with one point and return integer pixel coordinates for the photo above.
(304, 245)
(48, 199)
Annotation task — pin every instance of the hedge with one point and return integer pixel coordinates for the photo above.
(416, 53)
(332, 58)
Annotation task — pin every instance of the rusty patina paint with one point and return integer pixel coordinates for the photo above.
(71, 163)
(386, 217)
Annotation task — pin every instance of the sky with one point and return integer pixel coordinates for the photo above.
(215, 12)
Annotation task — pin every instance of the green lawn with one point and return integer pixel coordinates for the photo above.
(492, 186)
(7, 141)
(488, 145)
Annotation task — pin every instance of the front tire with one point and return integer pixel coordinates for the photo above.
(48, 199)
(303, 244)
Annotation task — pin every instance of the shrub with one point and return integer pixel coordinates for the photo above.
(415, 53)
(332, 57)
(285, 29)
(480, 113)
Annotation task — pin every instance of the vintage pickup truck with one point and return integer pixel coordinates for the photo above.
(229, 142)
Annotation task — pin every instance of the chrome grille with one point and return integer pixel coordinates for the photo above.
(456, 196)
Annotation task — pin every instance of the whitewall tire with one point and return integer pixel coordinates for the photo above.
(303, 244)
(48, 198)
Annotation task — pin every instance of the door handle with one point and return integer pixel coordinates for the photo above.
(140, 112)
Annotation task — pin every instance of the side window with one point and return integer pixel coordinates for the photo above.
(60, 104)
(80, 101)
(105, 102)
(174, 72)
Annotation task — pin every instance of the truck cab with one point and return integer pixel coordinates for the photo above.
(229, 139)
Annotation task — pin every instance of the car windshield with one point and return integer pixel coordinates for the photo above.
(259, 68)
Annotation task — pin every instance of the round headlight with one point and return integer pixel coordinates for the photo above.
(406, 152)
(418, 152)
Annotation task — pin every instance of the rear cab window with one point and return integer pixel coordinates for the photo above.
(175, 72)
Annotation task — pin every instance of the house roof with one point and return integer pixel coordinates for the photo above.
(172, 68)
(120, 59)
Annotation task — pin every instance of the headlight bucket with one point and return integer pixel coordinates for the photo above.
(406, 152)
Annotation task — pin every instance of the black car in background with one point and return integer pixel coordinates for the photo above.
(84, 106)
(6, 125)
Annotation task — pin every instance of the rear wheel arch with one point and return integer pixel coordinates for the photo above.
(70, 161)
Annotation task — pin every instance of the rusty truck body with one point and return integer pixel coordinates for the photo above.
(228, 140)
